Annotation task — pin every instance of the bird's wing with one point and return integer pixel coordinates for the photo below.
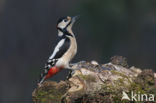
(60, 49)
(58, 52)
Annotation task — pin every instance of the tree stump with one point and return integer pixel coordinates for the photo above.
(99, 83)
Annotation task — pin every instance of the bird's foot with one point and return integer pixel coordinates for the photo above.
(72, 64)
(69, 74)
(72, 71)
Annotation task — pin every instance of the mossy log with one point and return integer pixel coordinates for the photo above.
(98, 83)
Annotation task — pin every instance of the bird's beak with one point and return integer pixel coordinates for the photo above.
(75, 18)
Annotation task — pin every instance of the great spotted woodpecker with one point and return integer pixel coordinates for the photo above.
(64, 51)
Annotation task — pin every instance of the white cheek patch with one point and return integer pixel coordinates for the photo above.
(60, 33)
(63, 24)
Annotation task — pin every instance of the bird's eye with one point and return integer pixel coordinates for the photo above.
(65, 20)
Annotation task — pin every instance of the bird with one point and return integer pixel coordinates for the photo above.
(64, 51)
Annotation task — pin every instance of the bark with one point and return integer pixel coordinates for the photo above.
(98, 83)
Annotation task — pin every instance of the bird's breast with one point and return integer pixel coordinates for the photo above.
(71, 51)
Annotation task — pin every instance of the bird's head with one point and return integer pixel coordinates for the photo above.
(64, 24)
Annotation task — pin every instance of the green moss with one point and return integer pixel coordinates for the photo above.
(50, 94)
(136, 88)
(41, 93)
(111, 92)
(143, 84)
(89, 78)
(120, 74)
(43, 100)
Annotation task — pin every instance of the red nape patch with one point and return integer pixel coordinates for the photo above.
(52, 71)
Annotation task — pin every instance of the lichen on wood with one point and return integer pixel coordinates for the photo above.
(97, 83)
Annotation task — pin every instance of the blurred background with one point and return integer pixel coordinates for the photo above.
(106, 28)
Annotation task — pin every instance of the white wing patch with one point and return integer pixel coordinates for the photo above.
(57, 48)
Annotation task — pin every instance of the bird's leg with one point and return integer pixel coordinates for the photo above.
(72, 64)
(72, 70)
(70, 67)
(77, 64)
(69, 74)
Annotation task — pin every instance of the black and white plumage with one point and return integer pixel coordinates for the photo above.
(62, 46)
(65, 49)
